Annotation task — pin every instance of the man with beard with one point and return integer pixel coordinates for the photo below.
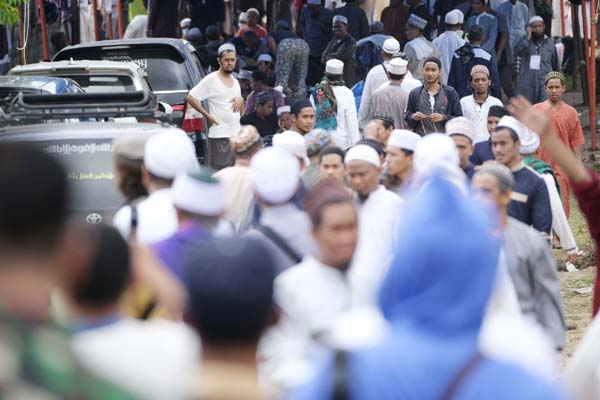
(223, 95)
(342, 47)
(539, 58)
(430, 106)
(315, 25)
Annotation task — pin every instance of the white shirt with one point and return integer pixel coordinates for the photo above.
(156, 216)
(448, 42)
(378, 221)
(478, 114)
(151, 359)
(375, 78)
(311, 297)
(218, 97)
(409, 82)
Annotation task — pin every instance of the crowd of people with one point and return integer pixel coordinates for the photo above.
(389, 239)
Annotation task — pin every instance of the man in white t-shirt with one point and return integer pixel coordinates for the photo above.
(223, 95)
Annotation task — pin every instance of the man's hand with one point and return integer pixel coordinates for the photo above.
(536, 120)
(419, 116)
(529, 30)
(237, 104)
(436, 117)
(211, 120)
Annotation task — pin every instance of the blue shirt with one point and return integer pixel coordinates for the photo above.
(469, 170)
(460, 70)
(482, 152)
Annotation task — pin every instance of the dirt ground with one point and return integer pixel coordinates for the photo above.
(578, 305)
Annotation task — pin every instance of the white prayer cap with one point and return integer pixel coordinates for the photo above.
(340, 18)
(253, 11)
(404, 139)
(461, 126)
(167, 154)
(243, 17)
(397, 66)
(530, 141)
(363, 152)
(454, 17)
(197, 192)
(283, 109)
(391, 46)
(265, 57)
(185, 23)
(536, 18)
(435, 150)
(334, 67)
(225, 47)
(510, 122)
(417, 21)
(275, 175)
(293, 143)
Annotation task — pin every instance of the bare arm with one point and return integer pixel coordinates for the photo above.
(198, 106)
(501, 45)
(539, 122)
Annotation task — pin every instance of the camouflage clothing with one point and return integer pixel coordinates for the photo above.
(37, 363)
(292, 67)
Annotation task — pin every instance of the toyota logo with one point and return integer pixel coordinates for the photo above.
(94, 219)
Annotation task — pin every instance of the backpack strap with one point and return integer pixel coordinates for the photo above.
(133, 223)
(279, 242)
(341, 376)
(459, 380)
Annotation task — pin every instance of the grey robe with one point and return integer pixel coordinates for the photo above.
(531, 82)
(532, 268)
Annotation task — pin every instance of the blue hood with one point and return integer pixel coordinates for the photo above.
(445, 264)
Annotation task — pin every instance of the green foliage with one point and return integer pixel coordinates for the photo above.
(9, 11)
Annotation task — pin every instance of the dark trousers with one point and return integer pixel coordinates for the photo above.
(507, 74)
(315, 71)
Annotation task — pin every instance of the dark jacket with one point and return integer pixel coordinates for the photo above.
(463, 61)
(447, 103)
(358, 24)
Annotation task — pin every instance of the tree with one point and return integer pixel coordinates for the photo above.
(9, 11)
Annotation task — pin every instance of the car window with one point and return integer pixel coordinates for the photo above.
(90, 170)
(105, 83)
(164, 65)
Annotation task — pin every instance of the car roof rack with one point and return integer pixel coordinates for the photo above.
(35, 108)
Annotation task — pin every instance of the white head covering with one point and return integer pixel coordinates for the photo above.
(243, 17)
(168, 154)
(536, 18)
(283, 109)
(293, 143)
(433, 151)
(340, 18)
(417, 21)
(265, 57)
(275, 175)
(404, 139)
(363, 152)
(454, 17)
(198, 193)
(510, 122)
(226, 47)
(530, 141)
(397, 66)
(461, 126)
(391, 46)
(334, 67)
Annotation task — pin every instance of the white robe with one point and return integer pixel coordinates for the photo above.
(378, 222)
(448, 42)
(478, 114)
(347, 134)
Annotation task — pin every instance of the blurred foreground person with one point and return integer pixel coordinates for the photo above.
(230, 287)
(152, 359)
(154, 219)
(199, 203)
(283, 228)
(239, 196)
(37, 247)
(312, 294)
(434, 296)
(379, 213)
(528, 257)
